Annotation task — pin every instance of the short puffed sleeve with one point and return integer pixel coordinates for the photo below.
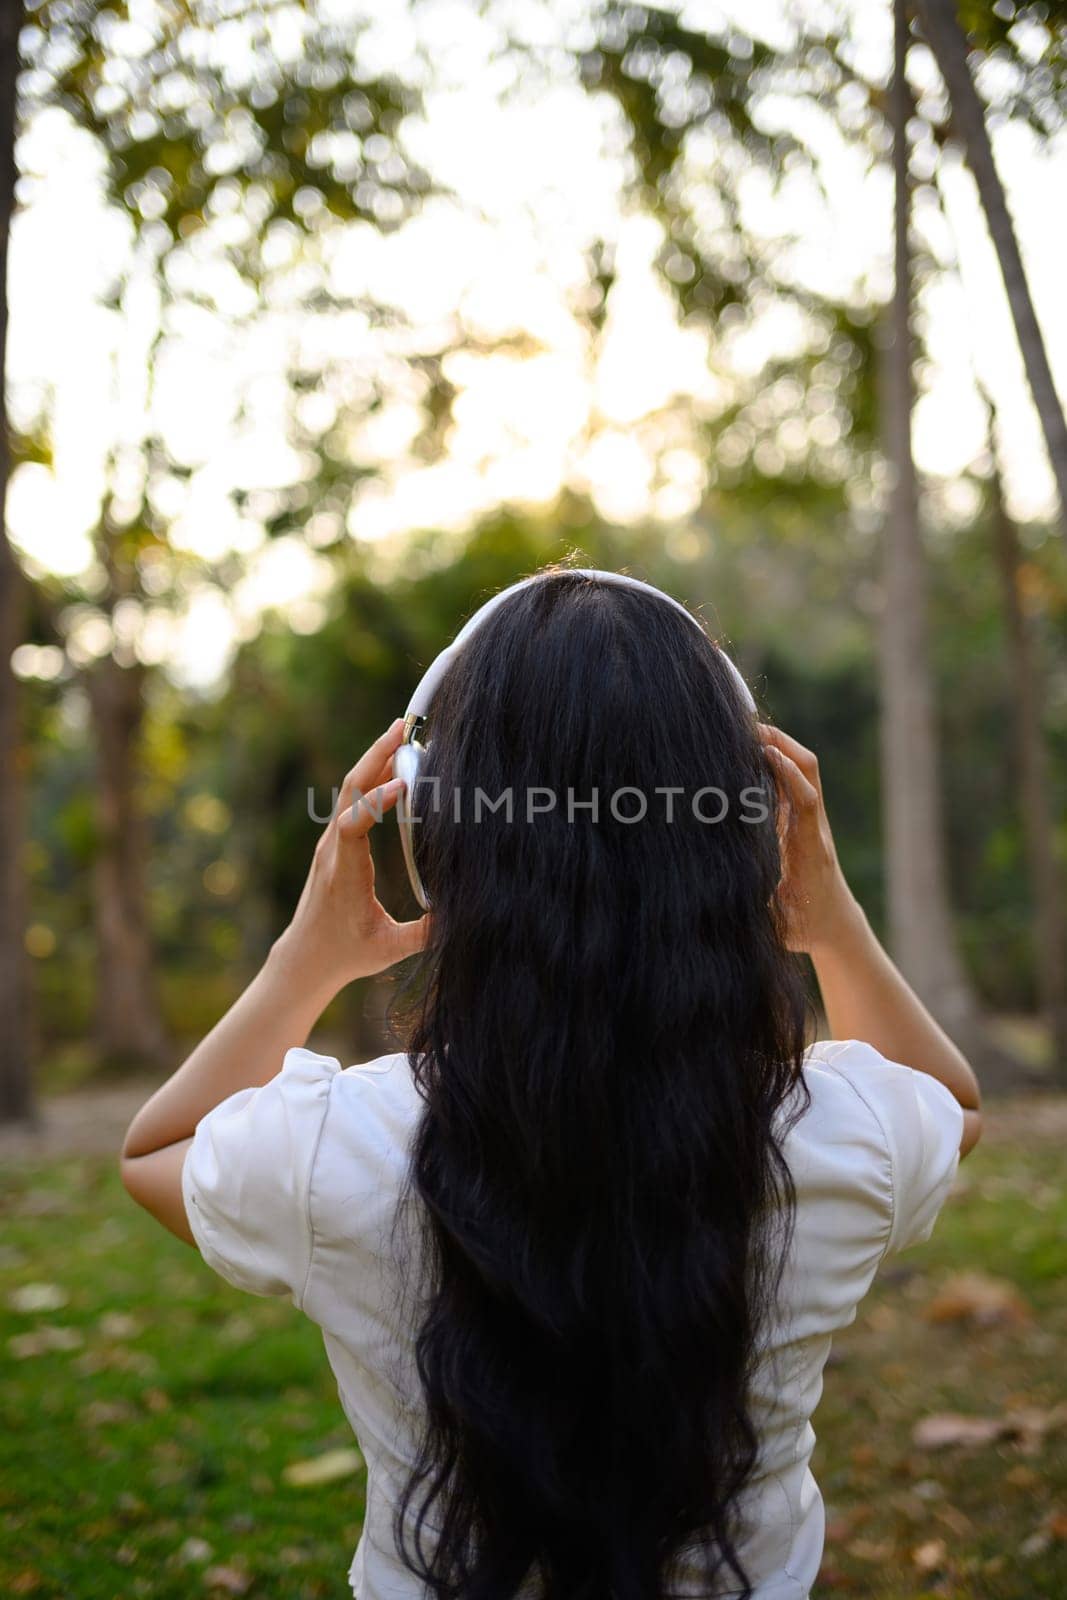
(921, 1125)
(247, 1176)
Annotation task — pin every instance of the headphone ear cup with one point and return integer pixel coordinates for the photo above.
(407, 762)
(407, 759)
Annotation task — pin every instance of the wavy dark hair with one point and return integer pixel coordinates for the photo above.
(609, 1030)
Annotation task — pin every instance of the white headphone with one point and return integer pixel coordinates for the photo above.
(409, 757)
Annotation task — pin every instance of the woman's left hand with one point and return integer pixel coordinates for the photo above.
(340, 930)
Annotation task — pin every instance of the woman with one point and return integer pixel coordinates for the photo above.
(578, 1254)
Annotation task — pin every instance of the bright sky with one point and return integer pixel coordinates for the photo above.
(539, 177)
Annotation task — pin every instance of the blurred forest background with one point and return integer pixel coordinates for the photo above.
(323, 321)
(327, 320)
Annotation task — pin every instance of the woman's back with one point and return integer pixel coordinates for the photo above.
(579, 1252)
(872, 1157)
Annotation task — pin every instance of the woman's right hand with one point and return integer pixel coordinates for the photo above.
(340, 930)
(817, 905)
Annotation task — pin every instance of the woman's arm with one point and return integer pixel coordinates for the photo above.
(339, 932)
(864, 994)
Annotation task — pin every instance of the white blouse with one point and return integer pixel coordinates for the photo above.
(291, 1189)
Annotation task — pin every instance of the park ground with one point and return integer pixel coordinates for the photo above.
(164, 1436)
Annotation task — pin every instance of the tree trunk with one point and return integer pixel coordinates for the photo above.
(949, 44)
(128, 1022)
(16, 1088)
(1046, 875)
(920, 925)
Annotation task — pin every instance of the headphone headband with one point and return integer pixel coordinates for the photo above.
(407, 760)
(427, 686)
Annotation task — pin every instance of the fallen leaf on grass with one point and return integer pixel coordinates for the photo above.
(117, 1358)
(1030, 1424)
(37, 1297)
(1052, 1529)
(957, 1521)
(105, 1413)
(930, 1556)
(39, 1341)
(41, 1203)
(870, 1550)
(1027, 1424)
(980, 1300)
(231, 1580)
(193, 1551)
(118, 1325)
(907, 1504)
(947, 1428)
(327, 1468)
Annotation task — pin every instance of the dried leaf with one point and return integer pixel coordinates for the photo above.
(930, 1556)
(327, 1468)
(37, 1297)
(870, 1550)
(1028, 1425)
(42, 1203)
(974, 1298)
(231, 1580)
(40, 1341)
(193, 1551)
(105, 1413)
(945, 1428)
(957, 1521)
(118, 1325)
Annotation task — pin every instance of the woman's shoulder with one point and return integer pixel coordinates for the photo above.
(848, 1078)
(830, 1120)
(373, 1108)
(875, 1129)
(385, 1080)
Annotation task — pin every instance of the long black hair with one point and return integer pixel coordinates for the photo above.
(610, 1029)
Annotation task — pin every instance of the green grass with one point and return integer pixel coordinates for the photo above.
(175, 1416)
(999, 1509)
(175, 1425)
